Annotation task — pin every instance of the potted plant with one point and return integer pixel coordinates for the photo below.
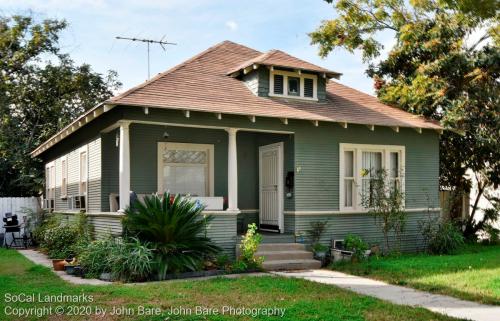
(58, 264)
(357, 246)
(69, 267)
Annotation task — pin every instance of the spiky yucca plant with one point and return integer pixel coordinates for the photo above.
(176, 228)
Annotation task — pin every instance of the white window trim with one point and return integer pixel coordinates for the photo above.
(80, 152)
(287, 74)
(64, 194)
(357, 156)
(51, 183)
(186, 146)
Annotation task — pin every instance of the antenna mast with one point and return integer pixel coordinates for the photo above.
(161, 42)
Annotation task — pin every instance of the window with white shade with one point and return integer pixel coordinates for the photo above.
(185, 169)
(83, 173)
(64, 178)
(50, 181)
(359, 166)
(293, 84)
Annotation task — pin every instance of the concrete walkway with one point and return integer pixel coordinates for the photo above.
(40, 258)
(401, 295)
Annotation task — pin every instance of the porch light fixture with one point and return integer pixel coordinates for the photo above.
(165, 133)
(117, 139)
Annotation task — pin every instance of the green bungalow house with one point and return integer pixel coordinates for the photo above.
(257, 137)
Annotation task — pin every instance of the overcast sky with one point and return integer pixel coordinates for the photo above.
(194, 25)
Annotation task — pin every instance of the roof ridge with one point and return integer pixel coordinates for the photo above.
(168, 71)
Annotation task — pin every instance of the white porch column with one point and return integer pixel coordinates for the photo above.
(232, 171)
(124, 156)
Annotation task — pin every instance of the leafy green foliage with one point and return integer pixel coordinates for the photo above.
(445, 65)
(131, 260)
(64, 239)
(41, 91)
(355, 244)
(441, 237)
(94, 259)
(249, 246)
(126, 259)
(175, 229)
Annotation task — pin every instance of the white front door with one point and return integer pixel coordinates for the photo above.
(271, 187)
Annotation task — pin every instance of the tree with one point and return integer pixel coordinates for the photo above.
(434, 70)
(41, 91)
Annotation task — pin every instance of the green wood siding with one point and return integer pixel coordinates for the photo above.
(94, 176)
(363, 225)
(110, 163)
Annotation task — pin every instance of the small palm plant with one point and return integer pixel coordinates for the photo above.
(175, 228)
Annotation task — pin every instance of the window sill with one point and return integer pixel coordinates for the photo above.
(293, 97)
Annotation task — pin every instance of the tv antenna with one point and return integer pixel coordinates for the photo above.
(161, 42)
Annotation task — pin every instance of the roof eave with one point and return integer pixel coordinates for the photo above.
(74, 126)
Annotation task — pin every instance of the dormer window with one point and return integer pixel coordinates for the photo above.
(293, 84)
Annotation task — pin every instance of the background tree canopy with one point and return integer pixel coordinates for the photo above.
(41, 91)
(445, 65)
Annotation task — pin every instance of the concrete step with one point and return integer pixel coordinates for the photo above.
(291, 265)
(267, 247)
(285, 255)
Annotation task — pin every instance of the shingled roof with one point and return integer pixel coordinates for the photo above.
(202, 84)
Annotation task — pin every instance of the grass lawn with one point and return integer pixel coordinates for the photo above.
(473, 274)
(303, 300)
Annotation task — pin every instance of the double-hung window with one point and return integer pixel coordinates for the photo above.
(50, 181)
(64, 178)
(186, 169)
(293, 84)
(83, 173)
(361, 165)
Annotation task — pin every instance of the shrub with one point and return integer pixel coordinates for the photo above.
(249, 246)
(62, 240)
(59, 241)
(44, 222)
(356, 245)
(131, 260)
(95, 258)
(126, 260)
(442, 237)
(175, 229)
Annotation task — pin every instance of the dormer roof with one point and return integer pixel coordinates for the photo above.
(280, 59)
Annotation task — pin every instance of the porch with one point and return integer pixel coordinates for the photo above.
(246, 173)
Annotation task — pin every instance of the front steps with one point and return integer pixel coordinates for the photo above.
(286, 256)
